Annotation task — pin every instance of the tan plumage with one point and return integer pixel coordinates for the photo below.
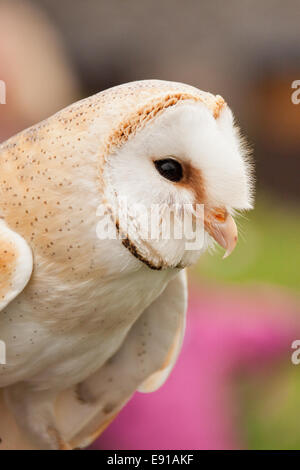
(75, 335)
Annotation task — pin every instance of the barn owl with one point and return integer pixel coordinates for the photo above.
(88, 321)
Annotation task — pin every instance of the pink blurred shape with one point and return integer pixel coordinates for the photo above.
(195, 409)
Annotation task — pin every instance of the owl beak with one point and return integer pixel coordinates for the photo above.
(221, 226)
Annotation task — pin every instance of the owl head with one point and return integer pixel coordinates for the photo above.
(173, 157)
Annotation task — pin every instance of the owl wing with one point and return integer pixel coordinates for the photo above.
(15, 264)
(142, 363)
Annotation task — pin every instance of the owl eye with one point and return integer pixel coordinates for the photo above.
(169, 169)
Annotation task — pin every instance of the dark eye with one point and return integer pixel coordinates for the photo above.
(169, 169)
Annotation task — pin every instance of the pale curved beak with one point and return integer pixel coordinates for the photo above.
(221, 226)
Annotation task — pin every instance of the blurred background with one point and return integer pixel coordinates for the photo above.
(234, 386)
